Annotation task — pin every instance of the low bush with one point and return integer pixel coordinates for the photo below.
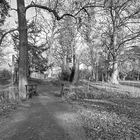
(64, 75)
(5, 74)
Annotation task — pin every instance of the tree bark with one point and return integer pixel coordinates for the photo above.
(96, 75)
(93, 72)
(65, 66)
(92, 61)
(115, 73)
(76, 75)
(23, 50)
(124, 78)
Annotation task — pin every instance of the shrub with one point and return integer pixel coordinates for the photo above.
(85, 74)
(64, 75)
(5, 74)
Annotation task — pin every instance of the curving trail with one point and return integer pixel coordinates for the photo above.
(45, 117)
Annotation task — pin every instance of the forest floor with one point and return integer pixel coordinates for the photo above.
(88, 111)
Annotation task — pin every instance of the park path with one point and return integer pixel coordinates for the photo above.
(45, 117)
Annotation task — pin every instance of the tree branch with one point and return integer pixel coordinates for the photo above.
(13, 9)
(49, 10)
(55, 13)
(127, 40)
(12, 30)
(56, 3)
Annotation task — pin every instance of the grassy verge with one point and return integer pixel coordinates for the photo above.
(6, 107)
(131, 83)
(107, 114)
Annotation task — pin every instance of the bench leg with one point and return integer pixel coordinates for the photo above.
(29, 95)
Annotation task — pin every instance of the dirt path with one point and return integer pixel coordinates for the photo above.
(43, 118)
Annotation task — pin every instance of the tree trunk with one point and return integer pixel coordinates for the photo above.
(138, 76)
(76, 75)
(124, 78)
(93, 72)
(92, 61)
(65, 66)
(23, 49)
(115, 73)
(96, 76)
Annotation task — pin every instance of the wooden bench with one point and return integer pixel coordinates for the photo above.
(31, 90)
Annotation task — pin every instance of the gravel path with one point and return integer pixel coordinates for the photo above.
(43, 118)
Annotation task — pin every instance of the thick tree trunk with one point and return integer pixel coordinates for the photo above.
(93, 73)
(23, 50)
(115, 73)
(65, 66)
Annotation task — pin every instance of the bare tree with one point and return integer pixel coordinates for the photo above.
(119, 30)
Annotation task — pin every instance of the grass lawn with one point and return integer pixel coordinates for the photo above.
(131, 83)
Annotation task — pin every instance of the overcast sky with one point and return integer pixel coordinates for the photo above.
(30, 13)
(9, 23)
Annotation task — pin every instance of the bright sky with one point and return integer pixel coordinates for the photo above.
(30, 13)
(11, 23)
